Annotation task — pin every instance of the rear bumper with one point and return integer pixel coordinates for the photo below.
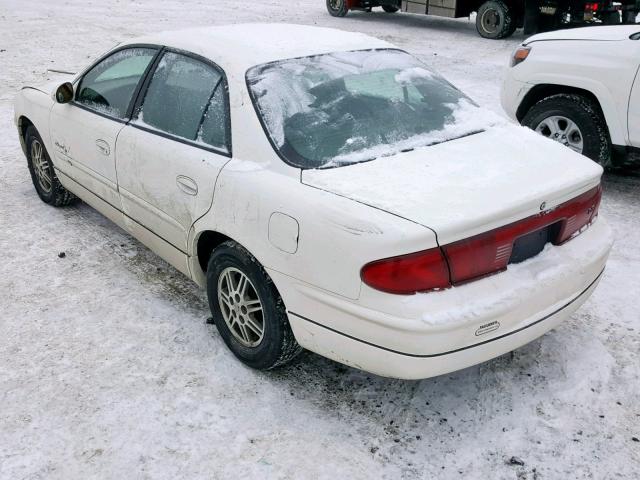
(430, 334)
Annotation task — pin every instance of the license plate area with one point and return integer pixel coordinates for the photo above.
(533, 243)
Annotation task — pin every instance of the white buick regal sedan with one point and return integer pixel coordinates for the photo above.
(330, 192)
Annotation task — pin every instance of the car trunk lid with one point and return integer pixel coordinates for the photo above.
(467, 186)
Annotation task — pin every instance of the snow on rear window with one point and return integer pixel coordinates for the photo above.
(342, 108)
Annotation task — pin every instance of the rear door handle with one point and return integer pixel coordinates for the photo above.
(187, 185)
(103, 147)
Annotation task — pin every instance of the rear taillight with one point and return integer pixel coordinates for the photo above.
(416, 272)
(490, 252)
(591, 7)
(480, 255)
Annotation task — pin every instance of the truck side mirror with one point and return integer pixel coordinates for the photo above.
(64, 93)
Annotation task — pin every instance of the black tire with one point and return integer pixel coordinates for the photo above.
(495, 20)
(52, 191)
(585, 113)
(278, 346)
(337, 8)
(390, 8)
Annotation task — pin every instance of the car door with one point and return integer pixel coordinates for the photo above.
(170, 155)
(84, 131)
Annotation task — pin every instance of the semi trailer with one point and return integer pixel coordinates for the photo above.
(500, 18)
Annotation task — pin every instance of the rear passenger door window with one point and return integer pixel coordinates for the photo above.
(109, 86)
(187, 99)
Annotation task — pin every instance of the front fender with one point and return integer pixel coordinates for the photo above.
(34, 105)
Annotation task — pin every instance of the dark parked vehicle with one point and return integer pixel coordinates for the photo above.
(500, 18)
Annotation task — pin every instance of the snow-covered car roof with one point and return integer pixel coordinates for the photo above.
(239, 47)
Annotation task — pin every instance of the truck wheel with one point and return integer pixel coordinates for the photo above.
(495, 20)
(43, 175)
(390, 8)
(574, 121)
(248, 310)
(337, 8)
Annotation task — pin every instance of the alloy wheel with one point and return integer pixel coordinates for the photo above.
(41, 166)
(241, 307)
(562, 130)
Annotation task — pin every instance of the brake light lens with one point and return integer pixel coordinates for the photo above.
(520, 55)
(591, 7)
(406, 274)
(478, 256)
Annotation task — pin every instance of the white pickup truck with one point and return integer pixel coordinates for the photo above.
(580, 87)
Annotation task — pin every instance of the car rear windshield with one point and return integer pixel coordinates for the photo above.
(343, 108)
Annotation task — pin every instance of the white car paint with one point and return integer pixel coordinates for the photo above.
(313, 231)
(601, 60)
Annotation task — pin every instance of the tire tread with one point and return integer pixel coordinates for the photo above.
(570, 102)
(288, 347)
(60, 196)
(509, 26)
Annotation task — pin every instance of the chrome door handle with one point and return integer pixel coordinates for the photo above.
(187, 185)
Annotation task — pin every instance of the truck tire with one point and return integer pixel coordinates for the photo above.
(573, 120)
(337, 8)
(390, 8)
(495, 20)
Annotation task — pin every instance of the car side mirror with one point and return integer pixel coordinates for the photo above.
(64, 93)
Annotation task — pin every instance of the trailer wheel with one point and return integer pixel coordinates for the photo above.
(390, 8)
(495, 20)
(337, 8)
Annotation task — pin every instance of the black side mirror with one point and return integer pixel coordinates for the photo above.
(64, 93)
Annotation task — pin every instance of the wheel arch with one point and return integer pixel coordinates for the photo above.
(544, 90)
(23, 124)
(204, 243)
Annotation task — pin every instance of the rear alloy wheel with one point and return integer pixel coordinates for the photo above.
(576, 122)
(248, 310)
(241, 307)
(43, 175)
(337, 8)
(495, 20)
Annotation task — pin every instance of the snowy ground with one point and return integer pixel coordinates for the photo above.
(107, 369)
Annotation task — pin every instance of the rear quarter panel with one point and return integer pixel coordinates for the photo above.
(336, 236)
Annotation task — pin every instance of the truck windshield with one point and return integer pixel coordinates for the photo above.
(342, 108)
